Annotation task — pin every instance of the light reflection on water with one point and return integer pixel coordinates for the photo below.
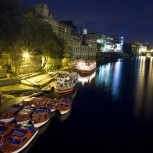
(86, 79)
(144, 88)
(129, 81)
(116, 79)
(109, 75)
(104, 76)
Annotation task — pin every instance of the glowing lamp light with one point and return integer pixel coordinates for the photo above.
(26, 55)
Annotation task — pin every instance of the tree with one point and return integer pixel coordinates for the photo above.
(38, 38)
(10, 23)
(21, 28)
(127, 48)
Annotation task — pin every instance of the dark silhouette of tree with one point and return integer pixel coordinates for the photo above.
(37, 36)
(9, 23)
(127, 48)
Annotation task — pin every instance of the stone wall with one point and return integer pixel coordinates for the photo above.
(6, 82)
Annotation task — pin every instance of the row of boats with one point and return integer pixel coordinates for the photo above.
(19, 123)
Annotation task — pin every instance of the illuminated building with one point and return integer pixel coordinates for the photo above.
(110, 44)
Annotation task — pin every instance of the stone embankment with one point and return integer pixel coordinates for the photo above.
(33, 82)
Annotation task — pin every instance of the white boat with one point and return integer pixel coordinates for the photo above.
(66, 81)
(87, 67)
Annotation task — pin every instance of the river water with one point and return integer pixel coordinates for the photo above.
(112, 112)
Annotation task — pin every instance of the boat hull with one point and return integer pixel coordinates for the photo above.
(25, 145)
(86, 72)
(53, 110)
(23, 122)
(64, 111)
(65, 90)
(39, 124)
(64, 106)
(7, 119)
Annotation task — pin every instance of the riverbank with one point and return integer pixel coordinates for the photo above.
(28, 83)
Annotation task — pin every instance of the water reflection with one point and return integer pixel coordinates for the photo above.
(117, 69)
(143, 102)
(109, 77)
(104, 76)
(43, 128)
(129, 80)
(64, 117)
(86, 79)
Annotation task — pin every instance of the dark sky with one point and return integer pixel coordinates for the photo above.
(132, 19)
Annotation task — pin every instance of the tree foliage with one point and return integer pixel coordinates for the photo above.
(127, 48)
(38, 36)
(22, 28)
(9, 23)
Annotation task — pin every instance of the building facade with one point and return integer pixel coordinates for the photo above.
(110, 44)
(75, 46)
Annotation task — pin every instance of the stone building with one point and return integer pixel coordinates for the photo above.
(74, 46)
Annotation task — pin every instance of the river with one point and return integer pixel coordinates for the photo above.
(112, 112)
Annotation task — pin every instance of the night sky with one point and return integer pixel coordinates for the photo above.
(132, 19)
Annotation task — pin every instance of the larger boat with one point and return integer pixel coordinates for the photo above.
(87, 67)
(20, 138)
(66, 81)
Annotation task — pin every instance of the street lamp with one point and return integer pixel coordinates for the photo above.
(26, 55)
